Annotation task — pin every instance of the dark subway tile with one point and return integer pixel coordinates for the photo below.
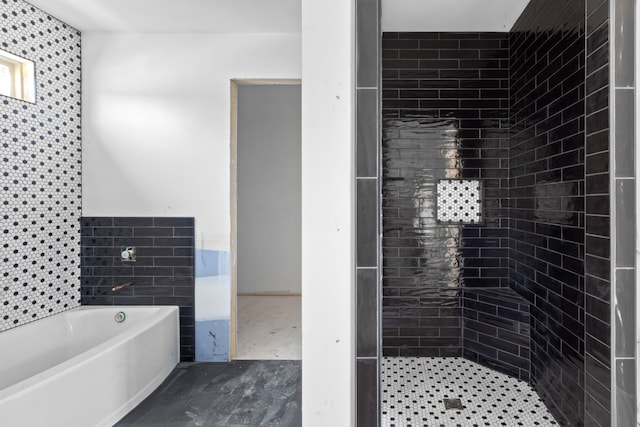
(625, 325)
(625, 223)
(174, 261)
(597, 17)
(438, 44)
(625, 118)
(132, 221)
(173, 222)
(366, 223)
(90, 222)
(624, 42)
(152, 231)
(399, 44)
(173, 241)
(597, 205)
(366, 303)
(625, 408)
(112, 231)
(132, 300)
(96, 241)
(367, 395)
(367, 42)
(132, 241)
(366, 137)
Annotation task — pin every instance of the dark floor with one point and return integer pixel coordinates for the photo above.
(238, 393)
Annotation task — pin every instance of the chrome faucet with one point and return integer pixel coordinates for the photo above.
(122, 286)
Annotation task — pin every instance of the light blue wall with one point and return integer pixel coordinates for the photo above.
(212, 305)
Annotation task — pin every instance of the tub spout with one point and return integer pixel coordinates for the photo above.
(124, 285)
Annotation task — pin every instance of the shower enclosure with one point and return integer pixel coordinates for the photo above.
(491, 171)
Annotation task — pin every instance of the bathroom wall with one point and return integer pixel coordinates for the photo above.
(162, 274)
(547, 195)
(328, 217)
(156, 137)
(40, 175)
(269, 192)
(444, 115)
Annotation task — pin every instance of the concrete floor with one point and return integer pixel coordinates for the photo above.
(241, 393)
(269, 328)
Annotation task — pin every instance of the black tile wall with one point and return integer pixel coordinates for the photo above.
(367, 220)
(367, 395)
(163, 273)
(368, 211)
(547, 195)
(40, 176)
(551, 207)
(367, 319)
(623, 402)
(445, 115)
(496, 330)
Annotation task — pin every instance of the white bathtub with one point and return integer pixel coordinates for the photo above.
(82, 368)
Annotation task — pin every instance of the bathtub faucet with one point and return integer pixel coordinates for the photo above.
(122, 286)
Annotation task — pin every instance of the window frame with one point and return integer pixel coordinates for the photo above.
(22, 76)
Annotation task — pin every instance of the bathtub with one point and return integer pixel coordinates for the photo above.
(84, 368)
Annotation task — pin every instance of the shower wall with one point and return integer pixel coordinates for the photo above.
(547, 203)
(509, 109)
(445, 115)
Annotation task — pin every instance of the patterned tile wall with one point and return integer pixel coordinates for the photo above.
(547, 188)
(459, 201)
(163, 273)
(40, 175)
(445, 108)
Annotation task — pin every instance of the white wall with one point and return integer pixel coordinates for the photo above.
(156, 121)
(328, 177)
(269, 193)
(156, 141)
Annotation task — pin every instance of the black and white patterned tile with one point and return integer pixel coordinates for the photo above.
(414, 391)
(459, 201)
(40, 176)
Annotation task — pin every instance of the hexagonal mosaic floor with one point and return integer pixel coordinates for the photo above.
(416, 391)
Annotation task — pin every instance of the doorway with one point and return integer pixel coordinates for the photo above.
(266, 219)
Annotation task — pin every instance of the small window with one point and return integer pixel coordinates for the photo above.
(17, 77)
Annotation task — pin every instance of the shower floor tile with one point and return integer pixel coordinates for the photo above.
(414, 390)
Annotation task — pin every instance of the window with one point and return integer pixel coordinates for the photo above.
(17, 77)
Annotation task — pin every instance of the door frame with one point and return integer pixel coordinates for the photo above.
(234, 197)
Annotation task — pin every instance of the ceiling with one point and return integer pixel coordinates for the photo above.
(193, 16)
(451, 15)
(272, 16)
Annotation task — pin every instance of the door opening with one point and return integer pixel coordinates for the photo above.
(265, 219)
